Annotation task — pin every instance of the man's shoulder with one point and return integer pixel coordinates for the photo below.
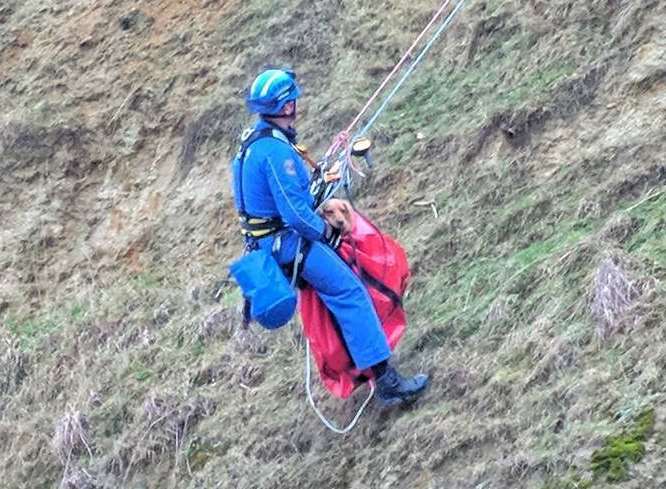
(272, 143)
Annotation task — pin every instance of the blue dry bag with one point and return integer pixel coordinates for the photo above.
(272, 299)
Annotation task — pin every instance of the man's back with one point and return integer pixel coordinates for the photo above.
(275, 183)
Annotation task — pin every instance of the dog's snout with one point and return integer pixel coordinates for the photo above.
(338, 214)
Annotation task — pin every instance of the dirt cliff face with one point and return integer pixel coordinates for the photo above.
(96, 101)
(522, 167)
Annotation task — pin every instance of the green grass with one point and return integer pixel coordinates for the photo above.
(650, 240)
(146, 281)
(465, 290)
(612, 461)
(142, 374)
(31, 332)
(78, 312)
(573, 482)
(500, 294)
(504, 78)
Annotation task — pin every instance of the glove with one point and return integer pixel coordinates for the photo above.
(331, 236)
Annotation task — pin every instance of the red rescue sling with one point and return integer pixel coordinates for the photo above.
(381, 263)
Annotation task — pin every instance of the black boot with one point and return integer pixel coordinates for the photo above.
(394, 389)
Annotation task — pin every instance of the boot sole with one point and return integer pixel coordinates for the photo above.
(402, 401)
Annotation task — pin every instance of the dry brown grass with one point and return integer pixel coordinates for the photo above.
(550, 357)
(612, 296)
(167, 422)
(71, 440)
(13, 366)
(251, 340)
(219, 323)
(515, 396)
(620, 228)
(457, 382)
(250, 375)
(72, 436)
(211, 125)
(78, 478)
(19, 138)
(498, 311)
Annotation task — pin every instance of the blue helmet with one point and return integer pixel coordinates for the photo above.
(271, 90)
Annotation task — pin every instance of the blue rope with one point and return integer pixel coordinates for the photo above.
(409, 71)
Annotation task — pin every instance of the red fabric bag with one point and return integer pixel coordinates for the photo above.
(382, 265)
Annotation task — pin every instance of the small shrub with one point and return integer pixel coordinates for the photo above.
(200, 451)
(167, 423)
(250, 375)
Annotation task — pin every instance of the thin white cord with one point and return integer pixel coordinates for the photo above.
(327, 423)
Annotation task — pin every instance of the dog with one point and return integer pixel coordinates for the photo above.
(340, 214)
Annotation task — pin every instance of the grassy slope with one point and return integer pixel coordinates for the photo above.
(542, 139)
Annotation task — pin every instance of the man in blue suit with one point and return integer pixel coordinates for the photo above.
(271, 189)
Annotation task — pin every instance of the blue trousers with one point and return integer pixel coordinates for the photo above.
(344, 295)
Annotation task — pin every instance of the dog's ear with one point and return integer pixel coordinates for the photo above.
(324, 209)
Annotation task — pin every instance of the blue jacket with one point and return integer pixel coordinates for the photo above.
(275, 183)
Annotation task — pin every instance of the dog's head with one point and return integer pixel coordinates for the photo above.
(339, 214)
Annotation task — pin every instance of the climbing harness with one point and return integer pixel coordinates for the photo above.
(269, 298)
(335, 171)
(337, 168)
(252, 226)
